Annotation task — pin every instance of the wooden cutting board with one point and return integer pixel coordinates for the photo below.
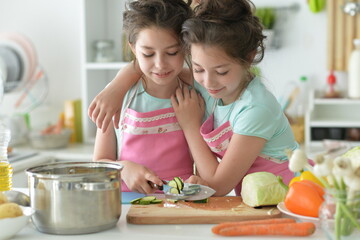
(216, 210)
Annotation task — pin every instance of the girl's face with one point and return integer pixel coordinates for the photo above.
(217, 72)
(159, 54)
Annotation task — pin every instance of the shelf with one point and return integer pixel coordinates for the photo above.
(326, 123)
(105, 66)
(336, 101)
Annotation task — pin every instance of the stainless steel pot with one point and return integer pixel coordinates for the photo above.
(75, 197)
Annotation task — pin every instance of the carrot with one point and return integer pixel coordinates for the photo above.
(283, 229)
(216, 229)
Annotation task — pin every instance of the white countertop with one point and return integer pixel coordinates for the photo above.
(126, 231)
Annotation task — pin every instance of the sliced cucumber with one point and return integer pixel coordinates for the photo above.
(156, 201)
(173, 184)
(146, 200)
(174, 191)
(180, 183)
(135, 201)
(172, 200)
(199, 201)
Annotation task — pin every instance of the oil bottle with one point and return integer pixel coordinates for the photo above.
(5, 167)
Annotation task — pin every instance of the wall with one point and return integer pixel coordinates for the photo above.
(54, 28)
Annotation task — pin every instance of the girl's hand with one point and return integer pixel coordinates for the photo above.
(189, 108)
(137, 177)
(197, 180)
(103, 108)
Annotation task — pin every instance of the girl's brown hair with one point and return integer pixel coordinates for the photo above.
(167, 14)
(230, 25)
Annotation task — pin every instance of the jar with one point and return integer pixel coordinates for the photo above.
(338, 214)
(104, 51)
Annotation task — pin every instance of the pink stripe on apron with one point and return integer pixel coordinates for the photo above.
(218, 140)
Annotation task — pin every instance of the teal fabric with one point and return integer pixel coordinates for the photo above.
(256, 113)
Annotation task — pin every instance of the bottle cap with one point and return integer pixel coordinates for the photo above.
(303, 78)
(331, 78)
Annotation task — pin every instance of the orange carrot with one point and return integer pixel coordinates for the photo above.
(216, 229)
(283, 229)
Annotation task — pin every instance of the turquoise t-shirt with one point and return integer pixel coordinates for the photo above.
(256, 113)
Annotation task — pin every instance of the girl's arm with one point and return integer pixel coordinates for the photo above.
(135, 176)
(108, 102)
(241, 153)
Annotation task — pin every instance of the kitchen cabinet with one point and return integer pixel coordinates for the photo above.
(101, 20)
(330, 119)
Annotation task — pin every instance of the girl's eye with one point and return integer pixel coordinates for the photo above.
(198, 70)
(222, 73)
(173, 54)
(148, 55)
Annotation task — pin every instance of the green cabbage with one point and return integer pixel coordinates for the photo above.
(262, 189)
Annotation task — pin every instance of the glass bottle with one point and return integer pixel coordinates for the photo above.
(104, 51)
(5, 167)
(354, 72)
(338, 213)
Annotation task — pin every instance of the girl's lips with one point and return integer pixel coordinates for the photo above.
(162, 75)
(214, 91)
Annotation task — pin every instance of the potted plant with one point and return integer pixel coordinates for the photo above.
(267, 17)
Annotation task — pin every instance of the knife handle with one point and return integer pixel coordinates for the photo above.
(154, 185)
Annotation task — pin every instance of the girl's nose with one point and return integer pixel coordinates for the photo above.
(160, 62)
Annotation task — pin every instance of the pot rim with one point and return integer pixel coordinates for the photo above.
(38, 171)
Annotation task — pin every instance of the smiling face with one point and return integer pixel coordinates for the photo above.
(222, 77)
(160, 56)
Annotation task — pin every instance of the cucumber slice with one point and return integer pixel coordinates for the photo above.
(172, 200)
(135, 201)
(173, 184)
(174, 190)
(148, 198)
(180, 183)
(156, 201)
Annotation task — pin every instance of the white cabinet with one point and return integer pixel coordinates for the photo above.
(330, 119)
(101, 20)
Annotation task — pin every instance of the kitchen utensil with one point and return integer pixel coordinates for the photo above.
(202, 193)
(18, 198)
(216, 210)
(75, 197)
(10, 226)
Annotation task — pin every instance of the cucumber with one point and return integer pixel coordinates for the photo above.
(180, 183)
(194, 187)
(156, 201)
(146, 200)
(199, 201)
(173, 184)
(172, 200)
(174, 190)
(135, 201)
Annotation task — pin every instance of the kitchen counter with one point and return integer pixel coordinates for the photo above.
(123, 230)
(24, 157)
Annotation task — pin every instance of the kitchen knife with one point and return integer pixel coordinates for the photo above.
(201, 192)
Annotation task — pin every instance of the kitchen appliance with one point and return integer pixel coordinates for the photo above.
(75, 197)
(216, 210)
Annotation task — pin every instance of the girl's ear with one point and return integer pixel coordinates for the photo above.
(132, 47)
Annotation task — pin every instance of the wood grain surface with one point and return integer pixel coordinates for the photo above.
(218, 209)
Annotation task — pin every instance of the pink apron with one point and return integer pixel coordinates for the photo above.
(218, 140)
(154, 139)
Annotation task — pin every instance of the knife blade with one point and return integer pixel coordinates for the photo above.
(201, 192)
